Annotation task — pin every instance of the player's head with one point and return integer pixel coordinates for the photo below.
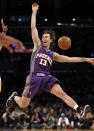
(48, 38)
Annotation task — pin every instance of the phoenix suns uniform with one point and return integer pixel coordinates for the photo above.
(39, 78)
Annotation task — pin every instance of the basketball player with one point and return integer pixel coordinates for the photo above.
(40, 77)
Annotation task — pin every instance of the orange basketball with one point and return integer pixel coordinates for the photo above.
(64, 42)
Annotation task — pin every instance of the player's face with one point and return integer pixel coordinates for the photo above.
(46, 40)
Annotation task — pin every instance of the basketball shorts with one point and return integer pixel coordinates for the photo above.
(36, 83)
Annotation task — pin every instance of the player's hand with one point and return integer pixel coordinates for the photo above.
(4, 27)
(35, 7)
(90, 60)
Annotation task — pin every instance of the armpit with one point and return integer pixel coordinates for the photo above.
(54, 55)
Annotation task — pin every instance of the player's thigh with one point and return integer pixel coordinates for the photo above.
(57, 90)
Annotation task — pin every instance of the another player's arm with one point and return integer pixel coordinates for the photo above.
(34, 31)
(6, 41)
(4, 30)
(63, 58)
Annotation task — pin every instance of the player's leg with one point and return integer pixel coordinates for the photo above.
(58, 91)
(14, 100)
(30, 90)
(23, 101)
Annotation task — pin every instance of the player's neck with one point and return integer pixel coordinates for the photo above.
(47, 48)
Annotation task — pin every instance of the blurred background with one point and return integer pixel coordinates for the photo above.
(72, 18)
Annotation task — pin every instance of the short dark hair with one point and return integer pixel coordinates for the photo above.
(52, 36)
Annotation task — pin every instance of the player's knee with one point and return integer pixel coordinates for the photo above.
(23, 106)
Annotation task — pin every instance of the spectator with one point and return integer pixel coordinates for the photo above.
(50, 119)
(76, 121)
(36, 120)
(20, 118)
(87, 121)
(8, 119)
(63, 121)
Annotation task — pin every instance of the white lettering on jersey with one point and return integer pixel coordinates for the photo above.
(43, 62)
(46, 57)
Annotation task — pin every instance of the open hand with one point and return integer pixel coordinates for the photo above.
(35, 7)
(91, 61)
(4, 27)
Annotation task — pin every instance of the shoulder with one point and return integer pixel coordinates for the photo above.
(55, 55)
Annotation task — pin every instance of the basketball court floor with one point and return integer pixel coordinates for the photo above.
(43, 130)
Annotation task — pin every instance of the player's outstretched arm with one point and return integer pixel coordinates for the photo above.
(63, 58)
(34, 31)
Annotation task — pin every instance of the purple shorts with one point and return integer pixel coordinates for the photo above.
(36, 83)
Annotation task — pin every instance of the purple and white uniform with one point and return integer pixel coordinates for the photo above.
(39, 78)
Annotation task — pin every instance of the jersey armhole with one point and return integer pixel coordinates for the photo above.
(37, 48)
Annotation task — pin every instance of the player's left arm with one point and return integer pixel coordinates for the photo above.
(63, 58)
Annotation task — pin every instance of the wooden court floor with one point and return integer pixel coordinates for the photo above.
(44, 130)
(52, 130)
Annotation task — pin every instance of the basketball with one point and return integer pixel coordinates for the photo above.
(64, 42)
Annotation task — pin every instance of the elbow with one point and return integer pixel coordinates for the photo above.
(33, 26)
(20, 45)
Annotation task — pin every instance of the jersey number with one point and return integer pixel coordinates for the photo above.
(43, 62)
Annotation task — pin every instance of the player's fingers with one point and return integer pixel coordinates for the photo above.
(92, 63)
(35, 5)
(7, 27)
(2, 21)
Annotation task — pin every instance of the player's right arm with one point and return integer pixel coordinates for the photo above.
(34, 31)
(63, 58)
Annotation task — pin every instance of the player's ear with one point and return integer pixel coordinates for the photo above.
(51, 40)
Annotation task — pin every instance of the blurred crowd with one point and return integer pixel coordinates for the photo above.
(50, 116)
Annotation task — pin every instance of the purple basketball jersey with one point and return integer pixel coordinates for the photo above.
(41, 60)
